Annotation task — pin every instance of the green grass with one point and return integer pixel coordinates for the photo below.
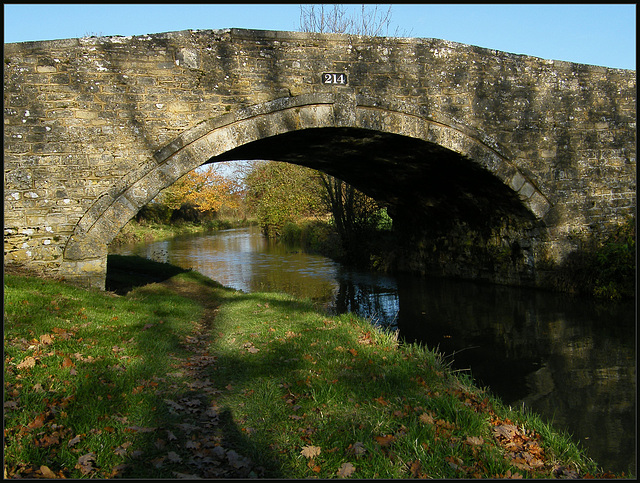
(186, 377)
(147, 231)
(92, 351)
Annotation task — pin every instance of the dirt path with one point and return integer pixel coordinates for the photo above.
(201, 435)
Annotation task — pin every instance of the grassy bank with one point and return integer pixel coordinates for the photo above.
(148, 231)
(184, 378)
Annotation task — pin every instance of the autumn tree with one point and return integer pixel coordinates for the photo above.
(281, 192)
(355, 214)
(204, 189)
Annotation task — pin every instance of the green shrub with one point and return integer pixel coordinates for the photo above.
(291, 233)
(154, 213)
(616, 264)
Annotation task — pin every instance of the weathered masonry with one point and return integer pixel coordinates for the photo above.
(491, 162)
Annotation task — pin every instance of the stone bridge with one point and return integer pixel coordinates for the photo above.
(493, 164)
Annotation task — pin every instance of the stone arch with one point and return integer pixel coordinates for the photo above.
(212, 137)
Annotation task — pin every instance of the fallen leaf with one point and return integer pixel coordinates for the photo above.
(454, 462)
(211, 413)
(353, 352)
(514, 476)
(80, 357)
(357, 449)
(380, 400)
(174, 405)
(365, 338)
(505, 430)
(85, 463)
(236, 460)
(27, 363)
(37, 423)
(46, 472)
(475, 440)
(48, 440)
(346, 470)
(67, 362)
(11, 405)
(415, 468)
(118, 470)
(73, 441)
(385, 440)
(174, 457)
(46, 339)
(310, 451)
(253, 350)
(122, 449)
(426, 418)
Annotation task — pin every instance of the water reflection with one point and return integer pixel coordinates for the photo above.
(572, 361)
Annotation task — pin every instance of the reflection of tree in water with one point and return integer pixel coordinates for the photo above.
(294, 283)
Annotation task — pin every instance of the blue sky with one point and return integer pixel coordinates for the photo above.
(598, 34)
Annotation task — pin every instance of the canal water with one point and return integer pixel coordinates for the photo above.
(569, 359)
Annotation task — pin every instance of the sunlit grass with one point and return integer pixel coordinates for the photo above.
(91, 352)
(339, 384)
(122, 378)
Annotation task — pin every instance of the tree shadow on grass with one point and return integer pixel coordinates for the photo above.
(204, 439)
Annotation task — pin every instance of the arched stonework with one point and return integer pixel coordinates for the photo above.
(435, 129)
(196, 146)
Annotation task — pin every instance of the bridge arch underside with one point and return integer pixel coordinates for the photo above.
(451, 215)
(460, 207)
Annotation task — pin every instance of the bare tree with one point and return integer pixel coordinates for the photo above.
(335, 18)
(354, 213)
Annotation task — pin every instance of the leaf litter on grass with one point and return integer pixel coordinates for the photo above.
(198, 439)
(46, 429)
(193, 445)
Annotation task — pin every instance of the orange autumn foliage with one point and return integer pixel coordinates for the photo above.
(205, 188)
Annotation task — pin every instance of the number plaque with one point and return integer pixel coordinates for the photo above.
(333, 78)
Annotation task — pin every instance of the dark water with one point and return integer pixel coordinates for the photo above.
(570, 360)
